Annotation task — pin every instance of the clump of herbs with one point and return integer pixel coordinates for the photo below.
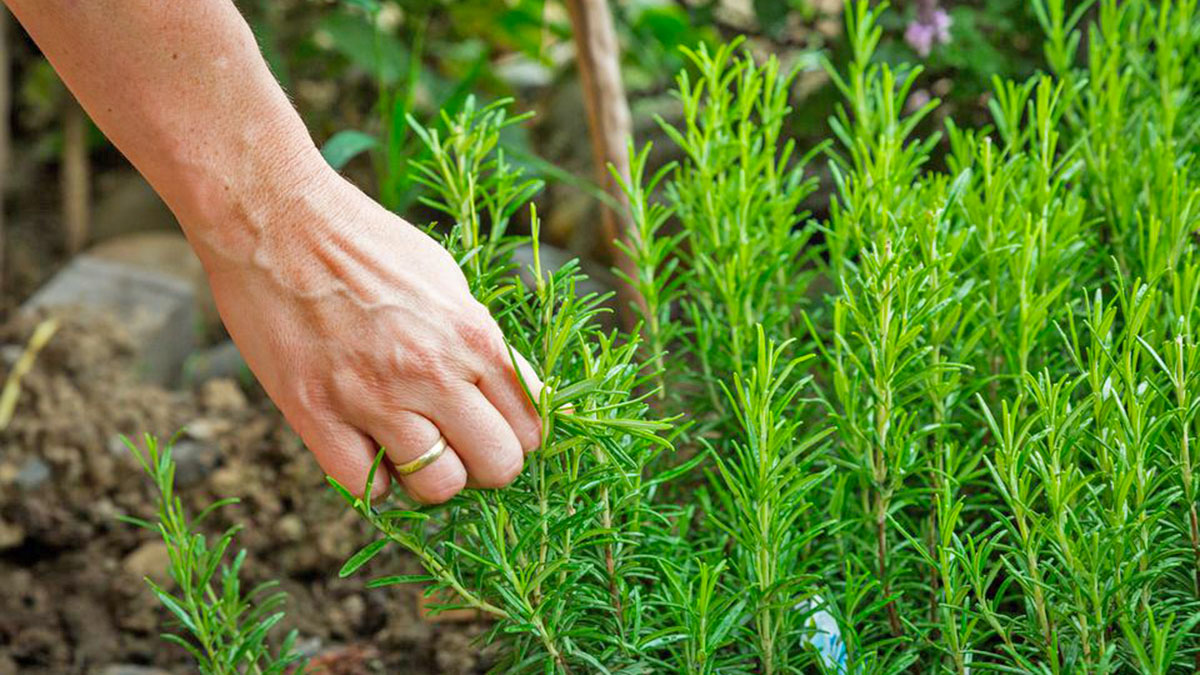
(222, 624)
(956, 419)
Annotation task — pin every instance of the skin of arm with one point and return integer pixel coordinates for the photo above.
(359, 326)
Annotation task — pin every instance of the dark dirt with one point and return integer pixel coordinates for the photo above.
(72, 599)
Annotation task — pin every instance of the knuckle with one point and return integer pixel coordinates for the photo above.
(479, 331)
(531, 436)
(346, 385)
(441, 489)
(417, 362)
(306, 394)
(505, 471)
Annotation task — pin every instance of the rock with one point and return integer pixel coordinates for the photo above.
(116, 445)
(353, 608)
(10, 354)
(12, 535)
(208, 428)
(230, 480)
(194, 460)
(129, 669)
(309, 647)
(220, 360)
(291, 527)
(522, 72)
(7, 665)
(8, 473)
(152, 560)
(167, 253)
(158, 310)
(32, 474)
(223, 395)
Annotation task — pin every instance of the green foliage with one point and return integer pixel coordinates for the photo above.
(390, 41)
(989, 463)
(222, 625)
(956, 416)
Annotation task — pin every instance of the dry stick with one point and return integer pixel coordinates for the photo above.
(76, 192)
(611, 128)
(12, 384)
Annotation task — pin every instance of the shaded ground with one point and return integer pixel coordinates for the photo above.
(71, 595)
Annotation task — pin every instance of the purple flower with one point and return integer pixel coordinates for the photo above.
(930, 27)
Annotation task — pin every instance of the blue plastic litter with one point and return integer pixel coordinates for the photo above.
(824, 635)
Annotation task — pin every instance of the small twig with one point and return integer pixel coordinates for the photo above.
(12, 385)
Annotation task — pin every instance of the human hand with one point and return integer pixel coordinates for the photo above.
(363, 331)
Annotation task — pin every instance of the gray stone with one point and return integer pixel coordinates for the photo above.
(116, 445)
(208, 428)
(222, 360)
(194, 460)
(10, 354)
(158, 310)
(167, 253)
(33, 473)
(521, 72)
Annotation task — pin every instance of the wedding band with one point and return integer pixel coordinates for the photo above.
(428, 457)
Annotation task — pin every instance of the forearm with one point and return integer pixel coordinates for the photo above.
(360, 327)
(182, 90)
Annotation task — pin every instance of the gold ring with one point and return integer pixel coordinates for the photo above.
(428, 457)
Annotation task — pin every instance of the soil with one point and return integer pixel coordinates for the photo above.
(72, 595)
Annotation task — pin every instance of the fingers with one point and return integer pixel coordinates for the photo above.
(503, 389)
(481, 436)
(345, 454)
(408, 436)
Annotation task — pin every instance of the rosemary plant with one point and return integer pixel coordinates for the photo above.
(223, 626)
(949, 428)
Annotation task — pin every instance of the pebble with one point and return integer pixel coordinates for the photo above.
(151, 559)
(222, 395)
(291, 527)
(8, 473)
(207, 428)
(12, 535)
(194, 460)
(230, 480)
(10, 354)
(33, 473)
(116, 445)
(354, 608)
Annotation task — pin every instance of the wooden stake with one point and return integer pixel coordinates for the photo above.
(75, 179)
(599, 58)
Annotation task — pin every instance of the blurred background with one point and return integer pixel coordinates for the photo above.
(108, 327)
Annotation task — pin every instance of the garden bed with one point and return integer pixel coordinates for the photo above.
(74, 599)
